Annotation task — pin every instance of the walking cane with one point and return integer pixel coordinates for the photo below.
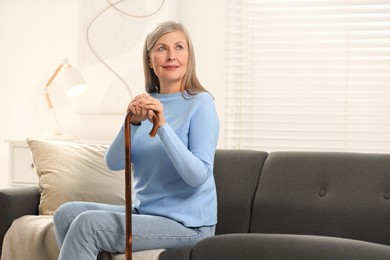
(153, 132)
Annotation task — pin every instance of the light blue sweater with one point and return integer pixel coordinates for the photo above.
(174, 170)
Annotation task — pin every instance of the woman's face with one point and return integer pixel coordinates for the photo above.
(168, 58)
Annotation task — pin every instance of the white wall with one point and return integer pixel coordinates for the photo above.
(37, 35)
(206, 21)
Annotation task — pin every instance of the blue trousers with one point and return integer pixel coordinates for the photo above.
(83, 229)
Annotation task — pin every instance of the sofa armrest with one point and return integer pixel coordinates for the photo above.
(182, 253)
(14, 203)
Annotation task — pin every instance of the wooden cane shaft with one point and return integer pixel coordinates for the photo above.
(128, 203)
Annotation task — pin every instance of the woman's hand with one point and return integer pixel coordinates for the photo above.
(143, 107)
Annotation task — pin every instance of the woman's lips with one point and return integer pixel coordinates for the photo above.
(170, 67)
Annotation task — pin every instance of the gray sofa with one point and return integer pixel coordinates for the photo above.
(281, 205)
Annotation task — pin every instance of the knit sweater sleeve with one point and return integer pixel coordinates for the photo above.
(195, 162)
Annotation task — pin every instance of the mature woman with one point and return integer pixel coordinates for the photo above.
(174, 200)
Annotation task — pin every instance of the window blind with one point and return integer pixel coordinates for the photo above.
(309, 75)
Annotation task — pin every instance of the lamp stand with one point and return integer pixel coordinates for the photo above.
(58, 135)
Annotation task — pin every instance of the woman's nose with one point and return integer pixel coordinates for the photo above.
(171, 56)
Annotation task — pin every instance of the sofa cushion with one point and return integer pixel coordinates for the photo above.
(281, 247)
(318, 193)
(71, 171)
(236, 174)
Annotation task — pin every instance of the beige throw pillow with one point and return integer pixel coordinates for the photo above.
(69, 171)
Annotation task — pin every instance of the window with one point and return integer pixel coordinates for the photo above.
(309, 75)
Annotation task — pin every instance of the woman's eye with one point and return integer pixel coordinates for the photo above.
(179, 47)
(161, 48)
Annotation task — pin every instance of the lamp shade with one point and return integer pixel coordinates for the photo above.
(74, 81)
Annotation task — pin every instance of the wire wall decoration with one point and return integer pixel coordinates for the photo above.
(112, 34)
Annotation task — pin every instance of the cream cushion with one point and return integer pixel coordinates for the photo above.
(69, 171)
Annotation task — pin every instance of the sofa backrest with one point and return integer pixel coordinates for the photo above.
(236, 175)
(323, 193)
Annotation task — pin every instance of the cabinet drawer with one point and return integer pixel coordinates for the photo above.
(22, 168)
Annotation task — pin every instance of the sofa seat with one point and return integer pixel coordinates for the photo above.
(32, 237)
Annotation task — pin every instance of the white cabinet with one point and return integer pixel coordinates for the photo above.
(21, 167)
